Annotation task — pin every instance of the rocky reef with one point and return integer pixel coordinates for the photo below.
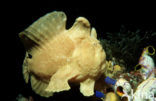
(126, 45)
(129, 63)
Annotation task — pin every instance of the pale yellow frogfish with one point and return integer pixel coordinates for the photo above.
(56, 56)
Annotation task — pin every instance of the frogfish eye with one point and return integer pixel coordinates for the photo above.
(29, 56)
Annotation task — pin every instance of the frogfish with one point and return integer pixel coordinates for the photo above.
(56, 56)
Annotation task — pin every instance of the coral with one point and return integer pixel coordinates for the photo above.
(113, 70)
(147, 63)
(138, 85)
(122, 87)
(125, 44)
(111, 97)
(146, 91)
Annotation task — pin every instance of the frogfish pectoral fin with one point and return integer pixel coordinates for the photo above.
(87, 87)
(59, 81)
(39, 87)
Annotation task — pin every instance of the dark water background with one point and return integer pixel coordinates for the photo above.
(102, 19)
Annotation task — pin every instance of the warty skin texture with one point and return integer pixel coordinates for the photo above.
(60, 56)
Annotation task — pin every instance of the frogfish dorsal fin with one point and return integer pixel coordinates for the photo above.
(44, 29)
(81, 26)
